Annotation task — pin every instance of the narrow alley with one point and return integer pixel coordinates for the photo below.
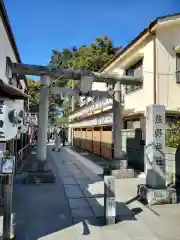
(72, 207)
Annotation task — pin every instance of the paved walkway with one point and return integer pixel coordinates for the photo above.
(72, 208)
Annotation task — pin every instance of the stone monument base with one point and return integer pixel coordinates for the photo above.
(40, 177)
(39, 174)
(121, 170)
(123, 173)
(157, 196)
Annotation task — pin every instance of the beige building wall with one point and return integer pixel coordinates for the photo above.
(168, 91)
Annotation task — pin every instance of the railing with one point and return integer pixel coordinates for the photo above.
(21, 158)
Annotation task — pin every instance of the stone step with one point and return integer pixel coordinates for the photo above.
(136, 230)
(156, 220)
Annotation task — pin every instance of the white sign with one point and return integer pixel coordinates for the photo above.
(110, 196)
(106, 119)
(159, 138)
(111, 207)
(7, 165)
(2, 147)
(155, 145)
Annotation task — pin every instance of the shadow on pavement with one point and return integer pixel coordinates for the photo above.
(43, 209)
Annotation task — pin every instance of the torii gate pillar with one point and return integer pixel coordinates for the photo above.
(119, 162)
(45, 82)
(117, 122)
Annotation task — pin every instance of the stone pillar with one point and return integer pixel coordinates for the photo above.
(43, 118)
(117, 126)
(155, 146)
(155, 190)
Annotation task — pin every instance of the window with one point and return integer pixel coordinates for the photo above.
(136, 71)
(9, 69)
(178, 67)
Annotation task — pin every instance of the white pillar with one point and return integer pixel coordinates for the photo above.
(43, 117)
(155, 146)
(117, 126)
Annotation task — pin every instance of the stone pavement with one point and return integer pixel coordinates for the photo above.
(72, 208)
(40, 210)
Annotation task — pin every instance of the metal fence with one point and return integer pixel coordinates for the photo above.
(21, 157)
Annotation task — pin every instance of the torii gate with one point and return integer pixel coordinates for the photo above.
(48, 74)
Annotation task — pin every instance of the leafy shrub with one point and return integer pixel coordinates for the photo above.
(173, 135)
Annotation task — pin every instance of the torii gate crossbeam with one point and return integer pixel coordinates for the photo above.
(48, 74)
(73, 74)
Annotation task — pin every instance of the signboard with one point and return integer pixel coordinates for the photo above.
(155, 146)
(7, 165)
(105, 119)
(95, 107)
(2, 148)
(109, 199)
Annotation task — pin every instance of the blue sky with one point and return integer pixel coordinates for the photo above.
(42, 25)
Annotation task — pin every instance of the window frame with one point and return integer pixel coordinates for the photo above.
(136, 65)
(177, 68)
(8, 72)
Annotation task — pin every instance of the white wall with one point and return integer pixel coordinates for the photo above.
(17, 104)
(137, 100)
(168, 91)
(5, 51)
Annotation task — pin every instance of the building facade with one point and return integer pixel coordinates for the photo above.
(154, 56)
(13, 88)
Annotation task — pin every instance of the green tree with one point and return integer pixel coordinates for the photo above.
(173, 135)
(34, 93)
(90, 57)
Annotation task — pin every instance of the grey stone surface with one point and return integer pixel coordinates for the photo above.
(78, 203)
(39, 178)
(69, 181)
(73, 191)
(84, 182)
(40, 210)
(57, 222)
(122, 211)
(157, 196)
(82, 212)
(66, 174)
(123, 173)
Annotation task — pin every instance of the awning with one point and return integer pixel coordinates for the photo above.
(7, 90)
